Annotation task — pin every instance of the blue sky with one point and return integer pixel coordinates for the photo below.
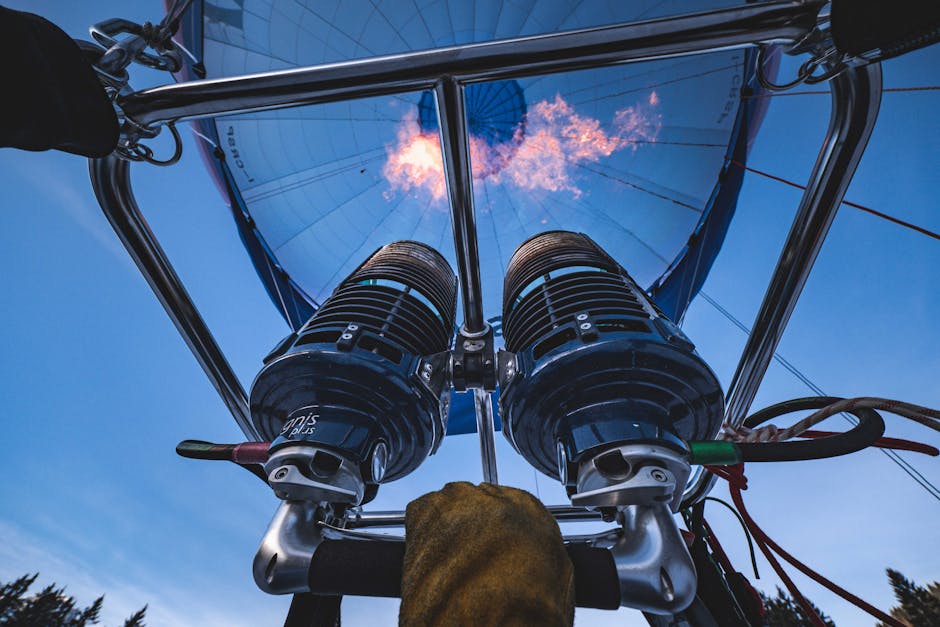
(98, 387)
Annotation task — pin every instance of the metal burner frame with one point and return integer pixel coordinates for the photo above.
(855, 93)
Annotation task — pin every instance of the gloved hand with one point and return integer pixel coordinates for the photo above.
(52, 98)
(484, 555)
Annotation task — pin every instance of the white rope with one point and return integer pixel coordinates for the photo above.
(771, 433)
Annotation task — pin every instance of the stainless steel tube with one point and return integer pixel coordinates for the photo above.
(856, 98)
(785, 20)
(486, 429)
(562, 513)
(110, 177)
(456, 153)
(459, 178)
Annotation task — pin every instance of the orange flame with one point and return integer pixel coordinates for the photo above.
(552, 139)
(416, 161)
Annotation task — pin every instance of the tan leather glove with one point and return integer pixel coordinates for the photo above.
(484, 555)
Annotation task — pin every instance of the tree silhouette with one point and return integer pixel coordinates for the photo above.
(137, 619)
(50, 607)
(919, 605)
(783, 611)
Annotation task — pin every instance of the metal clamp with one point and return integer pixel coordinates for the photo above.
(473, 364)
(829, 57)
(130, 148)
(632, 474)
(644, 483)
(308, 473)
(122, 52)
(111, 58)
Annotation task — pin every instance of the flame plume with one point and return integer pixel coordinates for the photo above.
(547, 143)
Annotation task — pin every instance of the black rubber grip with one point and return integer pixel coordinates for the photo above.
(595, 577)
(870, 427)
(366, 568)
(373, 568)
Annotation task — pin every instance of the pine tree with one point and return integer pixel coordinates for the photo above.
(919, 606)
(90, 615)
(784, 611)
(11, 595)
(137, 620)
(50, 607)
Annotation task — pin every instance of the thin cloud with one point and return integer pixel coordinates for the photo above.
(77, 204)
(22, 552)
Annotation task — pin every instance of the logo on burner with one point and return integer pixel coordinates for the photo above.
(300, 423)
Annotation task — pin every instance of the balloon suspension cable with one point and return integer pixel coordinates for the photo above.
(821, 92)
(847, 203)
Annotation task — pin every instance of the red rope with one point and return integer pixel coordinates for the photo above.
(717, 549)
(854, 205)
(805, 605)
(892, 443)
(768, 547)
(727, 473)
(737, 471)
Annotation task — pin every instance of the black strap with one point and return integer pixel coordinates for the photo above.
(374, 568)
(369, 568)
(314, 610)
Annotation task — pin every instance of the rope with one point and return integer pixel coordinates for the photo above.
(768, 547)
(771, 433)
(901, 463)
(717, 549)
(849, 203)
